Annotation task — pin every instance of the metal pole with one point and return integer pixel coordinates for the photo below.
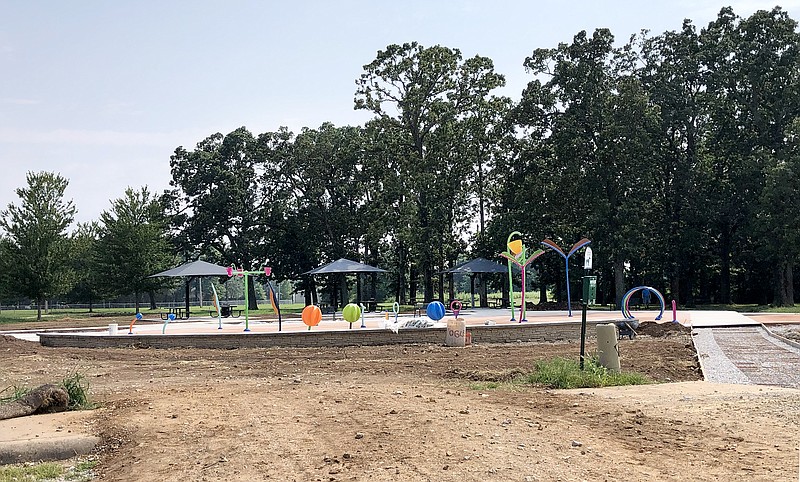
(583, 331)
(246, 305)
(569, 302)
(511, 278)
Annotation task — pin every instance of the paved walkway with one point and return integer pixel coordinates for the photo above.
(747, 355)
(701, 319)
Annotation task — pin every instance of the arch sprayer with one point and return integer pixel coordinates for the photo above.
(626, 311)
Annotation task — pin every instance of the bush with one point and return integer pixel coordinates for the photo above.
(563, 373)
(78, 390)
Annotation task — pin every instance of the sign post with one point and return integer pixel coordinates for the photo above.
(588, 296)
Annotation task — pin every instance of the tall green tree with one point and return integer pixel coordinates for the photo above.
(37, 241)
(133, 245)
(89, 285)
(318, 173)
(753, 77)
(675, 80)
(421, 94)
(602, 123)
(221, 200)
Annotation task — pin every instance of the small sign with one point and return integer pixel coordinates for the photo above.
(587, 259)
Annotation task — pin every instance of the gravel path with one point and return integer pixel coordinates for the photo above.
(747, 355)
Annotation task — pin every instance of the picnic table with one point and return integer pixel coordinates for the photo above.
(496, 302)
(179, 313)
(227, 311)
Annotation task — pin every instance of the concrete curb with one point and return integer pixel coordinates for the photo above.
(781, 338)
(20, 451)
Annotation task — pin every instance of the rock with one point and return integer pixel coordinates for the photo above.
(44, 399)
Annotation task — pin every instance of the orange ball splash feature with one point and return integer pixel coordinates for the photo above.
(311, 315)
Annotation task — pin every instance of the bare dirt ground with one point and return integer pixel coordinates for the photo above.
(416, 413)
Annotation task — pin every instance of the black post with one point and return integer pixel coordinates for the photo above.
(583, 330)
(188, 280)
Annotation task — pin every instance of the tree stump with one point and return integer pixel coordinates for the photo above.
(45, 399)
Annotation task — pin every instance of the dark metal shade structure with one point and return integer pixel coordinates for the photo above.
(478, 265)
(193, 269)
(343, 265)
(475, 267)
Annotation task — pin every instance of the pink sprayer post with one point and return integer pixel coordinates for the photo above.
(674, 311)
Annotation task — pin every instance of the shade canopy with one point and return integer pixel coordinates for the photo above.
(343, 265)
(478, 265)
(475, 267)
(194, 268)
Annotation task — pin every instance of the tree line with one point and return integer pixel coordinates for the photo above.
(676, 154)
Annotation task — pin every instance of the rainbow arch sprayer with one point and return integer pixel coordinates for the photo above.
(625, 303)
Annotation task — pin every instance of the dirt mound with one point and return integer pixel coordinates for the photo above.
(485, 375)
(662, 330)
(8, 341)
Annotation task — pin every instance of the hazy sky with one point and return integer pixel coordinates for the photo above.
(104, 91)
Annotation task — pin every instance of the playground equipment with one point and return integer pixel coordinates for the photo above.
(435, 310)
(575, 247)
(232, 271)
(516, 254)
(274, 299)
(626, 299)
(311, 316)
(135, 319)
(170, 317)
(215, 303)
(351, 313)
(455, 307)
(395, 325)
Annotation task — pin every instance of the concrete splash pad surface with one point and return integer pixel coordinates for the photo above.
(372, 321)
(375, 322)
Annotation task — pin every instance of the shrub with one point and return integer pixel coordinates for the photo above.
(563, 373)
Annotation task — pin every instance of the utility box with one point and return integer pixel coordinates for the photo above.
(589, 289)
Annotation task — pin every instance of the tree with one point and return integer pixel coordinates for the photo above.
(89, 284)
(602, 124)
(420, 95)
(222, 200)
(319, 173)
(37, 242)
(753, 99)
(675, 80)
(133, 245)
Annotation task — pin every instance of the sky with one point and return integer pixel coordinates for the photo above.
(103, 92)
